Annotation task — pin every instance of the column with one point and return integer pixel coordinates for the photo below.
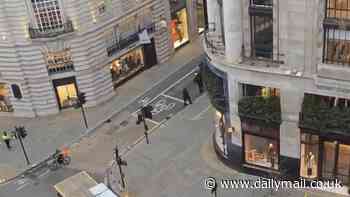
(213, 11)
(291, 101)
(233, 29)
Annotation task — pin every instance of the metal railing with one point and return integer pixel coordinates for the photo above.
(214, 43)
(35, 33)
(129, 40)
(60, 68)
(6, 108)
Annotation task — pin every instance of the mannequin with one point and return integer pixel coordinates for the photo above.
(310, 158)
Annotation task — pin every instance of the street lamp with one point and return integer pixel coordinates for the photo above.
(120, 162)
(20, 133)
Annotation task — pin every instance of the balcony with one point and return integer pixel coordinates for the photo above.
(60, 68)
(320, 117)
(129, 40)
(214, 43)
(266, 110)
(6, 108)
(36, 33)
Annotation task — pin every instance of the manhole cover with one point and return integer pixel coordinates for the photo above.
(124, 123)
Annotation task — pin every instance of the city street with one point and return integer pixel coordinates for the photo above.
(121, 130)
(46, 134)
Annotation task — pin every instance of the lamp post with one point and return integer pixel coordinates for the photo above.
(21, 133)
(120, 163)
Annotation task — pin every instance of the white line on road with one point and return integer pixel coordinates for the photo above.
(22, 186)
(45, 173)
(200, 113)
(171, 86)
(174, 98)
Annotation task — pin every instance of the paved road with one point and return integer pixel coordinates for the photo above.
(122, 131)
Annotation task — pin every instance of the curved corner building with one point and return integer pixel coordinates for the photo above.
(52, 49)
(278, 76)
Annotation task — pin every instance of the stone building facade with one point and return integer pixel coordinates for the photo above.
(278, 75)
(52, 49)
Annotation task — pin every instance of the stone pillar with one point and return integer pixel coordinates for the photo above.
(234, 138)
(233, 30)
(291, 101)
(214, 19)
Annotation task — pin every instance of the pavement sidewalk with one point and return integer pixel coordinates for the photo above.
(45, 134)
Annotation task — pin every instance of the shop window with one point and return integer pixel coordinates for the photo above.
(336, 161)
(262, 36)
(339, 9)
(127, 65)
(5, 105)
(261, 145)
(66, 91)
(309, 156)
(252, 90)
(261, 151)
(67, 95)
(179, 28)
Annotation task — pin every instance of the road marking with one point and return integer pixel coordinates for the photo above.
(45, 173)
(174, 98)
(200, 113)
(168, 88)
(22, 186)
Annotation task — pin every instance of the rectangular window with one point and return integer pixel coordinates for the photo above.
(309, 155)
(261, 151)
(339, 9)
(261, 145)
(337, 46)
(261, 2)
(49, 12)
(262, 36)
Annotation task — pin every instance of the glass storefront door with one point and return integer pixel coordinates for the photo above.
(179, 28)
(67, 95)
(66, 92)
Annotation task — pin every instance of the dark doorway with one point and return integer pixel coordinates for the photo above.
(150, 56)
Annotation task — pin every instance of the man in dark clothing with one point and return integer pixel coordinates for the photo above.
(186, 97)
(199, 82)
(6, 139)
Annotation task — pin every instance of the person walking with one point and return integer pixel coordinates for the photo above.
(6, 139)
(186, 97)
(198, 80)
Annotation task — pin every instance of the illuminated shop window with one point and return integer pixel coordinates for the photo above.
(261, 145)
(179, 28)
(5, 105)
(309, 156)
(127, 65)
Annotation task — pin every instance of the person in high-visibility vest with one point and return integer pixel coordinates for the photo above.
(6, 139)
